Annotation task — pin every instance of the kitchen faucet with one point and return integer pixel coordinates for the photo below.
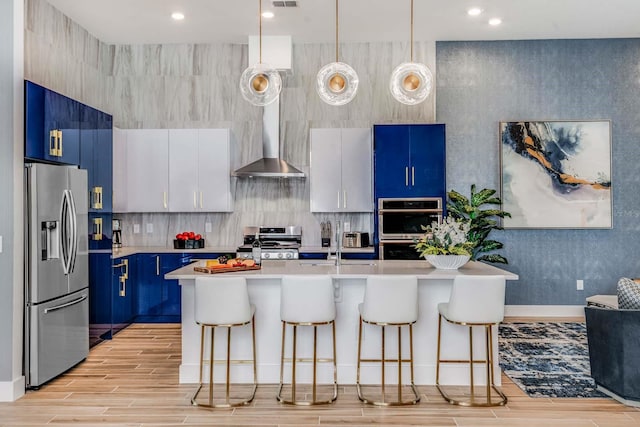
(338, 255)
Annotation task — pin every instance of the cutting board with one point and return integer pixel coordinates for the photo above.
(211, 270)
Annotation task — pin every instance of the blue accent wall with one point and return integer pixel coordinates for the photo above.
(482, 83)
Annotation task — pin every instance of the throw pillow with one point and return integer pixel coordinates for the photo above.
(628, 294)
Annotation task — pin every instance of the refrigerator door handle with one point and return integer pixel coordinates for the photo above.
(74, 232)
(66, 304)
(65, 231)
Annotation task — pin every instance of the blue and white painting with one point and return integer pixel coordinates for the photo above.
(556, 174)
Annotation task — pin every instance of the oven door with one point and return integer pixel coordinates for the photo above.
(405, 224)
(398, 249)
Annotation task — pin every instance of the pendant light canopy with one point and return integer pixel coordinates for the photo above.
(337, 82)
(260, 84)
(411, 82)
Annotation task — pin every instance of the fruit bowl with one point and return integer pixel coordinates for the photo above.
(188, 244)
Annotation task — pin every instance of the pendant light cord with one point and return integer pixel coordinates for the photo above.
(260, 18)
(337, 30)
(411, 30)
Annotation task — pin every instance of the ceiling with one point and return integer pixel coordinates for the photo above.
(231, 21)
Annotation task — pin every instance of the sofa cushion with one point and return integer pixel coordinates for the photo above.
(603, 301)
(628, 294)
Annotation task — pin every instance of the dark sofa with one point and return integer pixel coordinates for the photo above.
(614, 351)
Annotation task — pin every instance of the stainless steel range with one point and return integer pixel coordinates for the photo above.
(276, 242)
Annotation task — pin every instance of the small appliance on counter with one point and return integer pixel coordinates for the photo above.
(325, 234)
(116, 226)
(355, 239)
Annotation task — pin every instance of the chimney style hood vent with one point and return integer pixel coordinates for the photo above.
(270, 165)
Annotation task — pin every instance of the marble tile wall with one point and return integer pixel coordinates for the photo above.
(196, 86)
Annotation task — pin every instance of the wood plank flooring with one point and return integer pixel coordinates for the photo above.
(133, 381)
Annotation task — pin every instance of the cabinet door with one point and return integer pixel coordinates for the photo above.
(35, 141)
(100, 297)
(171, 291)
(357, 177)
(428, 160)
(61, 116)
(120, 178)
(123, 292)
(183, 170)
(147, 170)
(214, 174)
(391, 159)
(149, 288)
(325, 172)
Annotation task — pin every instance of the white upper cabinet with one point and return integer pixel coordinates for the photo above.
(172, 170)
(199, 170)
(340, 175)
(147, 172)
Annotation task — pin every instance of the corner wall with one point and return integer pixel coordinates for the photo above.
(483, 83)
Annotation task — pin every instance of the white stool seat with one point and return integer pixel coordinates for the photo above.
(306, 301)
(474, 301)
(223, 302)
(389, 300)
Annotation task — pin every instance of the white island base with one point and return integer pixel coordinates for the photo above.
(434, 287)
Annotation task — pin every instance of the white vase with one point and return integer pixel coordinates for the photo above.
(447, 262)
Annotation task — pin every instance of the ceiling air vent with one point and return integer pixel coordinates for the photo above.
(285, 4)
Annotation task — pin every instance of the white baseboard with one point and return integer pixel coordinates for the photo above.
(12, 390)
(544, 311)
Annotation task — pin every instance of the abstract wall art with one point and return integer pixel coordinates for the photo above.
(556, 174)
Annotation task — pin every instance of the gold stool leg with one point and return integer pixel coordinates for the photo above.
(213, 329)
(382, 360)
(399, 363)
(315, 360)
(471, 379)
(358, 363)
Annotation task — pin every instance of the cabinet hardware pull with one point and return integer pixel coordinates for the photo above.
(96, 197)
(413, 176)
(164, 199)
(406, 176)
(201, 198)
(123, 287)
(338, 200)
(195, 202)
(53, 142)
(126, 268)
(157, 265)
(97, 229)
(344, 199)
(59, 143)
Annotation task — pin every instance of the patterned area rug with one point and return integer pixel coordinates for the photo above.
(547, 359)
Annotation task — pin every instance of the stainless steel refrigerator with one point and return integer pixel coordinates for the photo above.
(56, 271)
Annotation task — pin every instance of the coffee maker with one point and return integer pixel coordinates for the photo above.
(116, 227)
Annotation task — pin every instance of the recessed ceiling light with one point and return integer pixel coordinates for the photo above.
(178, 16)
(474, 11)
(267, 15)
(495, 21)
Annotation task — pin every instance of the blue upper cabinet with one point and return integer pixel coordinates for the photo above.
(52, 126)
(96, 156)
(409, 160)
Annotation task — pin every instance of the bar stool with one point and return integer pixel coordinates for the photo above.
(389, 301)
(223, 302)
(474, 301)
(306, 301)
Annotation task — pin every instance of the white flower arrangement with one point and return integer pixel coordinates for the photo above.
(447, 238)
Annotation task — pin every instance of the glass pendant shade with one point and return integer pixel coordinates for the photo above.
(260, 84)
(411, 83)
(337, 83)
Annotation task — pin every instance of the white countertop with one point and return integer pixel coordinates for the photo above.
(348, 269)
(132, 250)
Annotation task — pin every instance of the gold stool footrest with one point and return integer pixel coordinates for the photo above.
(223, 405)
(475, 400)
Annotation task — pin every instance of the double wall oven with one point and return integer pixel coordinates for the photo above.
(400, 222)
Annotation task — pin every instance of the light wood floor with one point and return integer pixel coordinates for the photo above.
(133, 381)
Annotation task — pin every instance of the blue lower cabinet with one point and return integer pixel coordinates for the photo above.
(100, 297)
(158, 300)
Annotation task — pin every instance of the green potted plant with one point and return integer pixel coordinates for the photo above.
(445, 245)
(482, 221)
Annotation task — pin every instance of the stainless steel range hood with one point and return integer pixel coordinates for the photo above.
(270, 165)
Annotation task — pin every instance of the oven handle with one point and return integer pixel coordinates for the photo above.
(435, 211)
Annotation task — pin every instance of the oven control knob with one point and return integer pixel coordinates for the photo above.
(266, 255)
(280, 255)
(289, 256)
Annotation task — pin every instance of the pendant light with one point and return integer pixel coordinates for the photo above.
(411, 81)
(260, 84)
(337, 82)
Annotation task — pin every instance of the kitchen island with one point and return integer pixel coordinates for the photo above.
(349, 279)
